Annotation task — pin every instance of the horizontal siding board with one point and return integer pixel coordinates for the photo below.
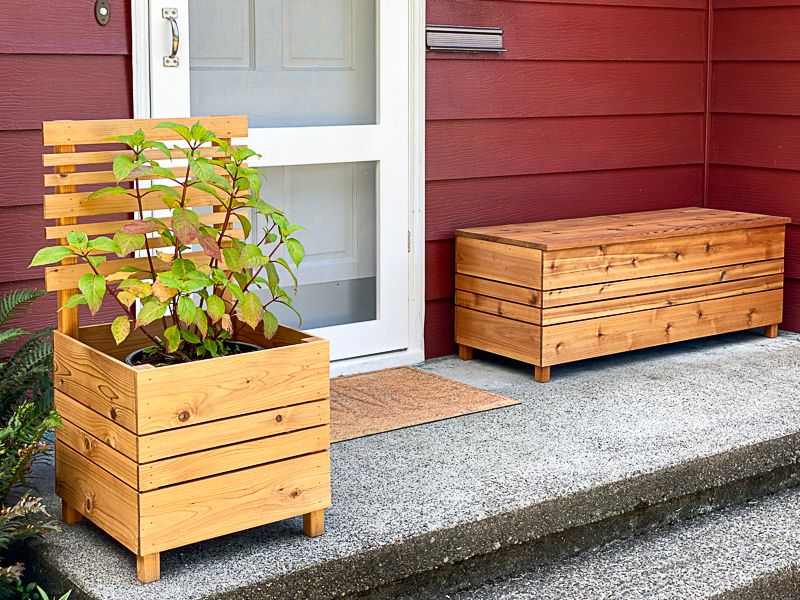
(762, 191)
(21, 168)
(791, 305)
(465, 89)
(42, 88)
(755, 141)
(757, 34)
(440, 260)
(542, 31)
(64, 27)
(791, 261)
(500, 147)
(462, 203)
(721, 4)
(440, 328)
(756, 87)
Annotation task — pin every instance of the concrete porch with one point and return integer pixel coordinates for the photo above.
(610, 447)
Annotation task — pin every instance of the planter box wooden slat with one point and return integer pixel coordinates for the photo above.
(522, 291)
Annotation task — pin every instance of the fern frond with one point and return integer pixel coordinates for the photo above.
(14, 304)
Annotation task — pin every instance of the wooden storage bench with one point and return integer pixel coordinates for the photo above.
(559, 291)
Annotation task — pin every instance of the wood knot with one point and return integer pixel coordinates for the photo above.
(279, 418)
(677, 255)
(722, 275)
(113, 414)
(183, 416)
(708, 247)
(87, 444)
(699, 314)
(558, 345)
(634, 261)
(600, 334)
(88, 505)
(295, 493)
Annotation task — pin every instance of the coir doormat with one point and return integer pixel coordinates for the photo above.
(395, 398)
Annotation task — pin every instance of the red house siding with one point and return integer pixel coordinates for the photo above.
(755, 122)
(59, 65)
(597, 107)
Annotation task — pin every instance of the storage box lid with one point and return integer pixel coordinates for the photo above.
(593, 231)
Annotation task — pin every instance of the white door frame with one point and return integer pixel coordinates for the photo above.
(416, 218)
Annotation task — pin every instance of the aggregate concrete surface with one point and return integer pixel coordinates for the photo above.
(602, 436)
(708, 557)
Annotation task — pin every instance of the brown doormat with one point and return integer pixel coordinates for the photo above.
(395, 398)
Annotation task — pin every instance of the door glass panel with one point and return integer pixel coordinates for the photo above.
(284, 63)
(337, 204)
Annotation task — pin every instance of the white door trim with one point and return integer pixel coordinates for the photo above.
(416, 305)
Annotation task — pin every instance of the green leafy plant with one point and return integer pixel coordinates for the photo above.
(195, 300)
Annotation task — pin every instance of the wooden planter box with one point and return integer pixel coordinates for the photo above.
(560, 291)
(163, 457)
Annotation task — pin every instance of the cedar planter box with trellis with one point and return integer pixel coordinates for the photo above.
(164, 456)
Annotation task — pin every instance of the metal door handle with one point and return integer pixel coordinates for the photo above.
(171, 14)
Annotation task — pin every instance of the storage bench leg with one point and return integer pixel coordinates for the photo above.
(314, 523)
(464, 352)
(771, 331)
(69, 515)
(541, 374)
(148, 567)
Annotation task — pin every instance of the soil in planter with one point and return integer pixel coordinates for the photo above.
(148, 356)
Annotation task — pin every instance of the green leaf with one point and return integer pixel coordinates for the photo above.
(137, 138)
(286, 266)
(140, 289)
(123, 165)
(173, 337)
(186, 225)
(181, 130)
(232, 258)
(96, 260)
(160, 146)
(201, 321)
(251, 310)
(215, 308)
(245, 223)
(125, 139)
(115, 191)
(182, 267)
(93, 288)
(202, 168)
(255, 182)
(190, 336)
(296, 250)
(104, 244)
(235, 291)
(152, 310)
(204, 187)
(198, 131)
(187, 311)
(130, 269)
(170, 191)
(126, 298)
(272, 276)
(120, 329)
(210, 246)
(270, 325)
(48, 256)
(271, 238)
(242, 154)
(78, 239)
(128, 242)
(74, 301)
(212, 347)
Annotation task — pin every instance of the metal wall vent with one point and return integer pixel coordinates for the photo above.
(459, 38)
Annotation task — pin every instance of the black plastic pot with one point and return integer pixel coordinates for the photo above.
(243, 347)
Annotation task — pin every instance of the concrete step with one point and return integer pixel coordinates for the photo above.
(608, 448)
(749, 552)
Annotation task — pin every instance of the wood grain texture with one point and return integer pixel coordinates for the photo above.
(64, 27)
(614, 229)
(762, 33)
(465, 89)
(100, 382)
(190, 393)
(116, 437)
(542, 31)
(199, 510)
(499, 147)
(148, 568)
(99, 453)
(613, 262)
(766, 191)
(99, 496)
(83, 84)
(496, 289)
(514, 339)
(620, 333)
(314, 523)
(756, 87)
(499, 262)
(499, 307)
(482, 202)
(756, 141)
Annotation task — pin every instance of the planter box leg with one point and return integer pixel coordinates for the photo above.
(69, 515)
(541, 374)
(148, 567)
(771, 331)
(464, 352)
(314, 523)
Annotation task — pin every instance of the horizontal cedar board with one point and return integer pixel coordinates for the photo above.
(764, 191)
(634, 227)
(499, 262)
(755, 141)
(465, 89)
(791, 305)
(542, 31)
(499, 306)
(64, 27)
(627, 260)
(766, 33)
(461, 203)
(620, 333)
(199, 510)
(496, 289)
(63, 87)
(440, 261)
(514, 339)
(464, 149)
(439, 328)
(766, 88)
(114, 436)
